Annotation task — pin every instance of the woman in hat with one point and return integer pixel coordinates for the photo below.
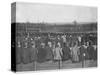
(33, 54)
(58, 54)
(41, 55)
(49, 55)
(18, 52)
(26, 52)
(75, 51)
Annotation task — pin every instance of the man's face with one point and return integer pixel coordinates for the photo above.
(33, 46)
(87, 43)
(26, 44)
(18, 43)
(50, 45)
(42, 44)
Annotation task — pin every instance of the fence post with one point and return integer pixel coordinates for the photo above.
(83, 60)
(59, 64)
(35, 65)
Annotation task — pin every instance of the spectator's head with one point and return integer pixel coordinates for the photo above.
(26, 44)
(18, 44)
(64, 44)
(59, 45)
(43, 44)
(49, 44)
(33, 44)
(90, 43)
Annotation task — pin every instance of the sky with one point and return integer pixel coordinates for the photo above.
(53, 13)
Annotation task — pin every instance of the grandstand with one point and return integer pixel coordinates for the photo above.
(57, 28)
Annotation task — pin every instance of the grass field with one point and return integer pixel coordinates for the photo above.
(49, 65)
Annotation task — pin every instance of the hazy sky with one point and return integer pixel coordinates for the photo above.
(34, 12)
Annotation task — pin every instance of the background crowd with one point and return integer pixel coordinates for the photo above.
(53, 47)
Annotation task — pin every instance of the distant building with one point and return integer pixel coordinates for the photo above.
(63, 28)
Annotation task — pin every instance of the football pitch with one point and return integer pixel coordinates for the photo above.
(49, 65)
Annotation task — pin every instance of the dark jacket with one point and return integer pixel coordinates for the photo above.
(66, 53)
(41, 55)
(90, 51)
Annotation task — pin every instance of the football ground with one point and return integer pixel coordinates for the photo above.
(49, 65)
